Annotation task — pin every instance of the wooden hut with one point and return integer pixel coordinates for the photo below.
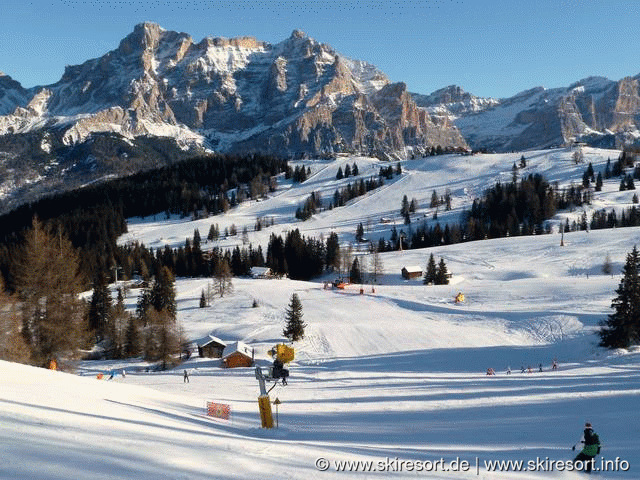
(260, 272)
(411, 272)
(210, 347)
(238, 354)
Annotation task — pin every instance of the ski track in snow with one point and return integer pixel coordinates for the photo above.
(396, 373)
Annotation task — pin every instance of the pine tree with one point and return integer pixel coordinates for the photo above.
(355, 275)
(430, 271)
(404, 209)
(339, 175)
(132, 345)
(294, 328)
(442, 275)
(354, 170)
(434, 200)
(214, 232)
(163, 293)
(119, 321)
(203, 300)
(607, 169)
(622, 328)
(143, 305)
(347, 170)
(333, 252)
(99, 315)
(599, 182)
(630, 184)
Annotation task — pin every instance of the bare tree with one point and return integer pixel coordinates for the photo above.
(377, 268)
(13, 347)
(346, 257)
(48, 282)
(222, 278)
(607, 268)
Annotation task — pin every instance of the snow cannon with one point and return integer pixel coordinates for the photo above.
(282, 352)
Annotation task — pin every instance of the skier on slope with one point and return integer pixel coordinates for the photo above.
(591, 447)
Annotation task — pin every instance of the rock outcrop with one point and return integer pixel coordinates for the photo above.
(595, 110)
(297, 97)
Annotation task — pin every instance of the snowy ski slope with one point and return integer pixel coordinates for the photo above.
(395, 375)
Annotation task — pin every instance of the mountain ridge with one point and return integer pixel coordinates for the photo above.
(594, 110)
(227, 94)
(294, 98)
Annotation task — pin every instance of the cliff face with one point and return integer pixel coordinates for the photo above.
(595, 110)
(12, 94)
(230, 95)
(294, 98)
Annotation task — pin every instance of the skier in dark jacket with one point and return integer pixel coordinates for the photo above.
(591, 447)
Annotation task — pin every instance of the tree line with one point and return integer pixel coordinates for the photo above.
(44, 320)
(93, 217)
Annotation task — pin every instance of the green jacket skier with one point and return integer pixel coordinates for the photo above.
(591, 447)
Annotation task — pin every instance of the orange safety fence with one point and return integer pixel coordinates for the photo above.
(219, 410)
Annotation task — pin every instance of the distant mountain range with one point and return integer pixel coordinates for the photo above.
(596, 110)
(161, 97)
(294, 98)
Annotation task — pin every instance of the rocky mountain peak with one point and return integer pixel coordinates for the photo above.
(297, 34)
(12, 94)
(145, 36)
(297, 97)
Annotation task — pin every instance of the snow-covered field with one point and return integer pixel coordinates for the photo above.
(389, 377)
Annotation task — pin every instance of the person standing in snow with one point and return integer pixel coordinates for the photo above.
(591, 447)
(185, 378)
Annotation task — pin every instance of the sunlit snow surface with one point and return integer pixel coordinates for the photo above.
(399, 373)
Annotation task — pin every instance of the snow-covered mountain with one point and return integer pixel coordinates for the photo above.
(595, 110)
(454, 101)
(298, 96)
(12, 94)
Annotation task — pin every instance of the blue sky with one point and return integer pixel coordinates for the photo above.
(490, 48)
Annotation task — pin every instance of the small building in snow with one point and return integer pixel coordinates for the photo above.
(411, 272)
(238, 354)
(260, 272)
(210, 347)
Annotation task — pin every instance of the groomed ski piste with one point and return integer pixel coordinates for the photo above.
(390, 384)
